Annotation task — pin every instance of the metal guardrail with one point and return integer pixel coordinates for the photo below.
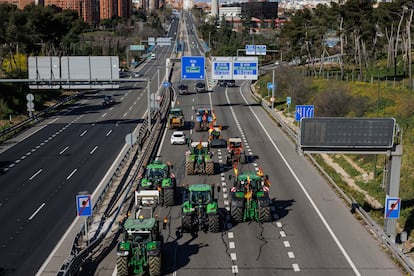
(42, 113)
(404, 261)
(77, 256)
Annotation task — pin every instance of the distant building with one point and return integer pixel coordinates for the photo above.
(262, 10)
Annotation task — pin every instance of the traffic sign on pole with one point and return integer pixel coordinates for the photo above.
(250, 49)
(392, 207)
(84, 205)
(192, 68)
(304, 111)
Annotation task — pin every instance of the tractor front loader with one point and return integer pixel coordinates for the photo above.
(140, 251)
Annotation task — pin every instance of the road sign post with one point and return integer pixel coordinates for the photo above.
(84, 209)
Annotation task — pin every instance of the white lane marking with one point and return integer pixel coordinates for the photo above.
(279, 224)
(130, 108)
(322, 218)
(232, 245)
(62, 151)
(282, 234)
(126, 113)
(103, 115)
(35, 174)
(17, 161)
(291, 255)
(295, 267)
(71, 174)
(109, 133)
(230, 235)
(93, 150)
(83, 133)
(286, 243)
(233, 256)
(37, 211)
(234, 269)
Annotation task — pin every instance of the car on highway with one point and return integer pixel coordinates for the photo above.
(108, 100)
(178, 138)
(138, 74)
(152, 56)
(227, 83)
(182, 88)
(200, 87)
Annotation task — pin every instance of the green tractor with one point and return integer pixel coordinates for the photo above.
(250, 197)
(158, 177)
(140, 251)
(176, 118)
(198, 159)
(200, 209)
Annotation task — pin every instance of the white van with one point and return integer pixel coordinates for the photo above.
(152, 56)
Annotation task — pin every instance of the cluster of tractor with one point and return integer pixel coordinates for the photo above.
(139, 253)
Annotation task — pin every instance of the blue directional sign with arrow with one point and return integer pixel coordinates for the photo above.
(192, 68)
(303, 111)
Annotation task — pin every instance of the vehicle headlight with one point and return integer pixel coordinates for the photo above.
(122, 253)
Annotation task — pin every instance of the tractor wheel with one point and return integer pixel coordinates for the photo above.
(168, 197)
(209, 168)
(265, 214)
(154, 263)
(243, 158)
(189, 168)
(122, 265)
(236, 214)
(186, 223)
(214, 223)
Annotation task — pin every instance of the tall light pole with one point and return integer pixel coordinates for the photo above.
(149, 104)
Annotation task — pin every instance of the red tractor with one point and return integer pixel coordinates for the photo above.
(235, 151)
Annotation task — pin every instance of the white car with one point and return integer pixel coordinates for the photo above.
(178, 138)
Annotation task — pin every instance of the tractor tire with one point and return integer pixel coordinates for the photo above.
(154, 263)
(186, 224)
(236, 214)
(209, 168)
(168, 197)
(243, 158)
(189, 168)
(264, 214)
(214, 223)
(122, 265)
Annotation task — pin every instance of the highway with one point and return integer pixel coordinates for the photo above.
(313, 231)
(52, 162)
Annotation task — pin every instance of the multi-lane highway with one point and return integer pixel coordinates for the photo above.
(313, 232)
(50, 164)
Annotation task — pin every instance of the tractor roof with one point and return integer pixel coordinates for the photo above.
(199, 188)
(252, 176)
(176, 109)
(235, 139)
(139, 224)
(195, 144)
(157, 164)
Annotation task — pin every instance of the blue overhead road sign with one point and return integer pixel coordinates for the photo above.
(303, 111)
(192, 68)
(84, 205)
(245, 68)
(250, 49)
(392, 207)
